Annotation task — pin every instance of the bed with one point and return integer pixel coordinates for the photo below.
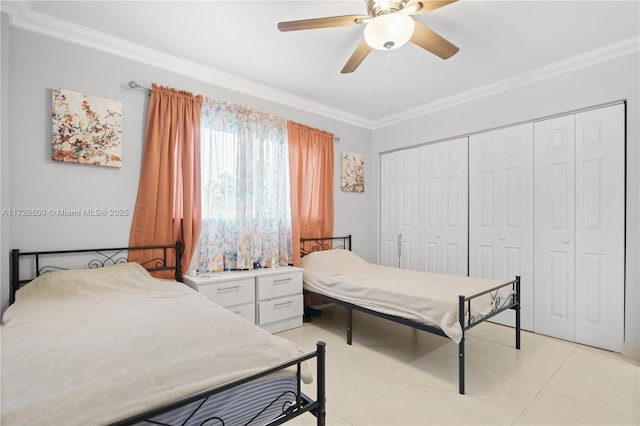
(110, 344)
(446, 305)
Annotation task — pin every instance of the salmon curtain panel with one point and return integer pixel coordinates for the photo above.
(311, 169)
(168, 202)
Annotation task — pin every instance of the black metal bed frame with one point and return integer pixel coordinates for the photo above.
(512, 302)
(105, 257)
(112, 256)
(303, 403)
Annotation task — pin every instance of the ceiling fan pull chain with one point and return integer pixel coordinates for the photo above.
(388, 60)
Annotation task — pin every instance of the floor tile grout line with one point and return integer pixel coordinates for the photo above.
(544, 387)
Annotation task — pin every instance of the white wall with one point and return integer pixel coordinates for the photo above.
(4, 156)
(35, 65)
(602, 83)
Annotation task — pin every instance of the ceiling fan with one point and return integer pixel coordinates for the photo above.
(388, 26)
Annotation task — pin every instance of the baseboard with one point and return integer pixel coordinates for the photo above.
(632, 352)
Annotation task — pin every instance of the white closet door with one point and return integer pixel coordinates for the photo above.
(554, 214)
(579, 222)
(501, 211)
(443, 207)
(600, 219)
(399, 209)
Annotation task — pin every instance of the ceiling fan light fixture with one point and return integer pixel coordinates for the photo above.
(389, 31)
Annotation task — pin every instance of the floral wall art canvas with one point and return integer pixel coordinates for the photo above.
(86, 129)
(352, 179)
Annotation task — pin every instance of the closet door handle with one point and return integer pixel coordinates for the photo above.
(565, 241)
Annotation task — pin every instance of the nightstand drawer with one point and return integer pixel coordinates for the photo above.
(246, 311)
(271, 286)
(229, 293)
(279, 309)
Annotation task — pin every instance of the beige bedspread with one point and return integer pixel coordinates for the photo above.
(93, 346)
(423, 297)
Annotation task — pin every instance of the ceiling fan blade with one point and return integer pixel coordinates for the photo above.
(357, 57)
(311, 24)
(433, 42)
(428, 6)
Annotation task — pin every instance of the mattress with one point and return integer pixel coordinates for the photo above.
(96, 346)
(424, 297)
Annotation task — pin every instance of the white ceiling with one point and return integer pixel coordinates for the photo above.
(499, 41)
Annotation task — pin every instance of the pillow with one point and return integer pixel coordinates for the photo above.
(85, 282)
(331, 261)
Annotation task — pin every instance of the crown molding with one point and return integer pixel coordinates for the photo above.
(22, 16)
(606, 53)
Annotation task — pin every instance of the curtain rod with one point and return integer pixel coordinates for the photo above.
(135, 85)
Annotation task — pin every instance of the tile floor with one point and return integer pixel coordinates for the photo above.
(394, 375)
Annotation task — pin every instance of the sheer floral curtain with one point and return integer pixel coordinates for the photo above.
(246, 213)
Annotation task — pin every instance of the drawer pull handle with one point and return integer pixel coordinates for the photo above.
(280, 305)
(282, 281)
(235, 287)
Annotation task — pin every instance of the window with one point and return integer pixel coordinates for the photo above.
(246, 210)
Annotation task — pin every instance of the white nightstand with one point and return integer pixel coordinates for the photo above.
(279, 297)
(232, 290)
(269, 297)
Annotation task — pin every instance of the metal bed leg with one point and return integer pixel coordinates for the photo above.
(349, 324)
(461, 366)
(518, 312)
(321, 396)
(461, 318)
(15, 278)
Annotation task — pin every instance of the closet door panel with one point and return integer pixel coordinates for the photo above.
(600, 218)
(554, 225)
(389, 253)
(431, 256)
(455, 232)
(389, 171)
(399, 207)
(443, 207)
(409, 208)
(430, 201)
(431, 194)
(453, 264)
(579, 225)
(486, 265)
(501, 211)
(408, 258)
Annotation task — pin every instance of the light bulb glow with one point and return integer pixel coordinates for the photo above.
(389, 31)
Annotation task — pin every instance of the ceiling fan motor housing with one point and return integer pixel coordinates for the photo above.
(379, 7)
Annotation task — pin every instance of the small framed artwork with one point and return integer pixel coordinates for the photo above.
(87, 129)
(352, 179)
